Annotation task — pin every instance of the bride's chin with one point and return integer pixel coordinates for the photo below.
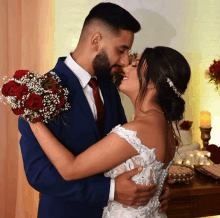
(121, 89)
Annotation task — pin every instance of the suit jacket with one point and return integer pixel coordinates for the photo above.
(82, 198)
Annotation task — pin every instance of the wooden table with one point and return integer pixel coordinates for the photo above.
(198, 199)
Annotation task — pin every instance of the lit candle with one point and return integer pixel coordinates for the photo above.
(197, 158)
(178, 158)
(191, 158)
(209, 154)
(180, 162)
(188, 162)
(205, 119)
(202, 157)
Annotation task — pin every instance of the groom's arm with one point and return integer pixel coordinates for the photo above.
(43, 176)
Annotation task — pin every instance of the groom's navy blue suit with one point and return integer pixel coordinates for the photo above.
(83, 198)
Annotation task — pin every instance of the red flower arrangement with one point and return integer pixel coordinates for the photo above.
(185, 125)
(118, 74)
(35, 97)
(214, 73)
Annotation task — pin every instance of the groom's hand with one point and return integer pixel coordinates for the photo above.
(165, 196)
(131, 194)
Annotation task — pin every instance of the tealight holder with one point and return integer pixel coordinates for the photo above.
(181, 177)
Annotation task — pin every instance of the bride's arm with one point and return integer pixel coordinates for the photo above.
(103, 155)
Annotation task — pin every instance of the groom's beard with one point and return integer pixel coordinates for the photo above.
(102, 66)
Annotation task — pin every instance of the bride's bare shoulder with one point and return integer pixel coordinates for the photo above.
(149, 124)
(152, 133)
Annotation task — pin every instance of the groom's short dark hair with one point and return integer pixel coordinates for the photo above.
(113, 16)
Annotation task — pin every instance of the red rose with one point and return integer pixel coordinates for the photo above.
(18, 111)
(119, 69)
(10, 88)
(22, 90)
(20, 73)
(38, 119)
(54, 89)
(186, 125)
(34, 102)
(62, 102)
(211, 69)
(215, 67)
(50, 78)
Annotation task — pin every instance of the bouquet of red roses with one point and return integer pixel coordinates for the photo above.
(35, 97)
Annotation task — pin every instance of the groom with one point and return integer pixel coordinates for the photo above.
(106, 38)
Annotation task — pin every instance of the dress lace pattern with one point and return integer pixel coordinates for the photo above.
(152, 172)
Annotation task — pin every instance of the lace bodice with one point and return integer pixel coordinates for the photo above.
(152, 172)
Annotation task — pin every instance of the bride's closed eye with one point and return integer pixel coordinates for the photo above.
(135, 63)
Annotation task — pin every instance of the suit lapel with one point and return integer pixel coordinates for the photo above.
(76, 92)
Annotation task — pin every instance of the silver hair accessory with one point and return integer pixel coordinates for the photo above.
(173, 87)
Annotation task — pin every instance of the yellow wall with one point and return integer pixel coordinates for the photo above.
(189, 26)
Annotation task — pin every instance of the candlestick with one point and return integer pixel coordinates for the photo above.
(205, 127)
(205, 136)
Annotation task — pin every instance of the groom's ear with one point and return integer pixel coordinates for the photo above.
(95, 41)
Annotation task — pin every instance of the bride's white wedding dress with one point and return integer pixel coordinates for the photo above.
(152, 172)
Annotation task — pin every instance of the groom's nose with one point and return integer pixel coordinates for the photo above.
(124, 61)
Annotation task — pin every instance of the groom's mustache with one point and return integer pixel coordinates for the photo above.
(115, 66)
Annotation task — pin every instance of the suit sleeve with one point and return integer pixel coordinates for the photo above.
(44, 177)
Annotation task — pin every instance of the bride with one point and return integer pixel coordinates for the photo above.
(154, 82)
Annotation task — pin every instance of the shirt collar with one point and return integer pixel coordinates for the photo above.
(83, 76)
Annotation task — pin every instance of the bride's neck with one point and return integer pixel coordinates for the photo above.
(140, 111)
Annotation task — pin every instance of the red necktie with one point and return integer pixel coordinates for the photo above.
(99, 106)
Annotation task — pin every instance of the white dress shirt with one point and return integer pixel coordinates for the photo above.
(84, 78)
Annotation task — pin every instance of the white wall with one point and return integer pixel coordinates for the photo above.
(190, 26)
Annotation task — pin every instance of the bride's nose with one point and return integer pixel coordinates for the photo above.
(125, 69)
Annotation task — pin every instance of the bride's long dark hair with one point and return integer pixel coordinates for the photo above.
(156, 65)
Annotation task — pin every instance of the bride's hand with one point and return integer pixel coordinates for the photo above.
(164, 198)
